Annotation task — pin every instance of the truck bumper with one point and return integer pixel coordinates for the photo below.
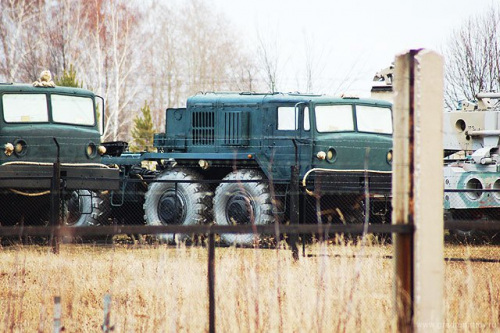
(39, 176)
(339, 181)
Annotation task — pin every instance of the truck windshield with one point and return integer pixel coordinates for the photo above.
(72, 110)
(340, 118)
(374, 119)
(334, 118)
(25, 108)
(32, 108)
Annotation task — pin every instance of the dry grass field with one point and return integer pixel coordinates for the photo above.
(335, 288)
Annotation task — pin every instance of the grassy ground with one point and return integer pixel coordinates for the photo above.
(342, 288)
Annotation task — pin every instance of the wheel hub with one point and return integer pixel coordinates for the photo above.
(171, 208)
(240, 209)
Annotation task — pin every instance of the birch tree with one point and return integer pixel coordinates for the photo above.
(125, 51)
(18, 17)
(269, 59)
(193, 50)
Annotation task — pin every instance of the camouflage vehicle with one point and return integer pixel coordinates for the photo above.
(472, 159)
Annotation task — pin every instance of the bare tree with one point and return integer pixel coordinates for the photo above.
(66, 31)
(213, 55)
(163, 67)
(269, 59)
(123, 67)
(19, 17)
(194, 50)
(37, 35)
(110, 61)
(125, 51)
(472, 58)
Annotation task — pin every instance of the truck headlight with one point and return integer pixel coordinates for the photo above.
(20, 147)
(331, 155)
(91, 150)
(389, 156)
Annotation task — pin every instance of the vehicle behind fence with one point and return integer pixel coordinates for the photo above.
(472, 163)
(41, 124)
(237, 159)
(227, 159)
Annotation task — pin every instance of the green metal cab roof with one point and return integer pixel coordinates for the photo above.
(263, 98)
(30, 89)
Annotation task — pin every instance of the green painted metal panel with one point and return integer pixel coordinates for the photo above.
(238, 124)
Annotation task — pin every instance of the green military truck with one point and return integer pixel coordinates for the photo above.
(229, 158)
(42, 124)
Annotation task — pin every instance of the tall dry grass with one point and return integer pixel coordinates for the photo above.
(337, 288)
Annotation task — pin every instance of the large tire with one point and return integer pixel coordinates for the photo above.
(243, 203)
(83, 208)
(191, 204)
(78, 208)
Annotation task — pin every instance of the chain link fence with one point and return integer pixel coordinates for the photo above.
(181, 198)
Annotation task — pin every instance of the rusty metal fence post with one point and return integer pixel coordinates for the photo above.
(211, 282)
(55, 201)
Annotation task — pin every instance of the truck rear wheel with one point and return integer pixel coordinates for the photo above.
(188, 204)
(243, 203)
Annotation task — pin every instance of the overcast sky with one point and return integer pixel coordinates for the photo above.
(350, 40)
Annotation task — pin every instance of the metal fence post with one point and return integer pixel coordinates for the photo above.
(294, 201)
(418, 190)
(211, 282)
(294, 210)
(55, 199)
(107, 314)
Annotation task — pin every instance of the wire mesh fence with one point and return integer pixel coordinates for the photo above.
(247, 200)
(248, 211)
(165, 201)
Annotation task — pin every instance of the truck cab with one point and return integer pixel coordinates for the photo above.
(39, 126)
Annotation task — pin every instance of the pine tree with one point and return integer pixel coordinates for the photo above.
(68, 79)
(143, 131)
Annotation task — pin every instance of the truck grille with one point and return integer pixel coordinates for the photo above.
(203, 128)
(236, 128)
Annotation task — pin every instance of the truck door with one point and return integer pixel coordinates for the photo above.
(290, 127)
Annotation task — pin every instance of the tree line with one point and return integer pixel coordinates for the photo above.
(128, 52)
(147, 56)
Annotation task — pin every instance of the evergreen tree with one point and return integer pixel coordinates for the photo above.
(68, 79)
(143, 131)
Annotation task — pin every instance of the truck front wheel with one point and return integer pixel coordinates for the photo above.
(82, 208)
(181, 203)
(243, 203)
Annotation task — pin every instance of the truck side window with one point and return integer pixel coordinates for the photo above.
(287, 119)
(307, 124)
